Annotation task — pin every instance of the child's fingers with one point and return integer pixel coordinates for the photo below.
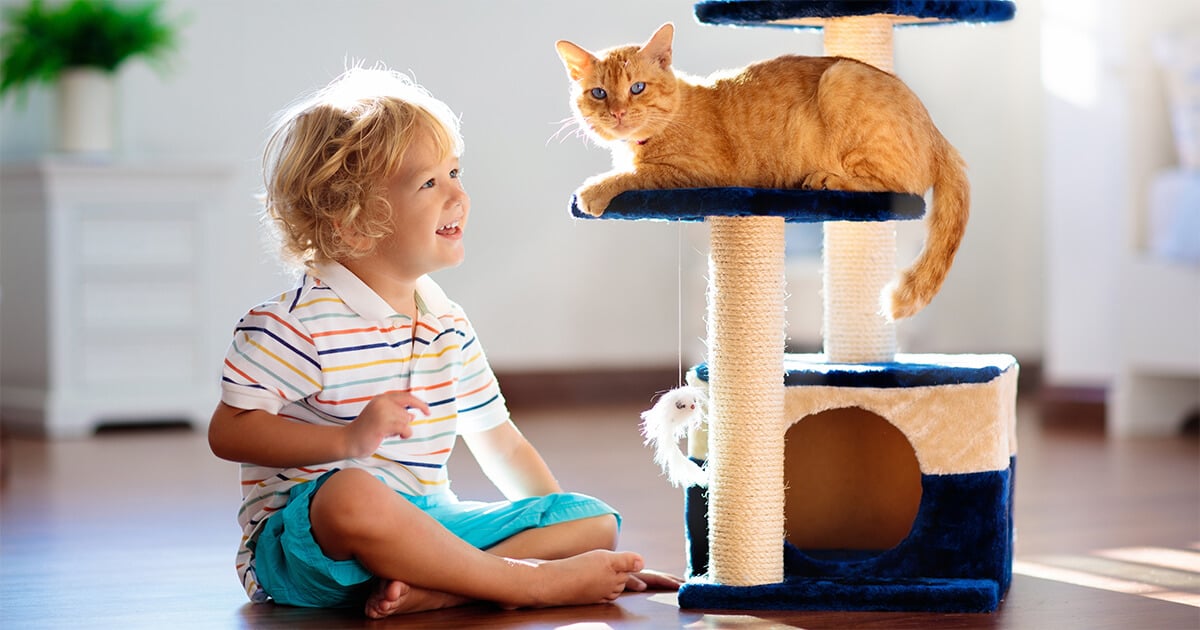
(412, 402)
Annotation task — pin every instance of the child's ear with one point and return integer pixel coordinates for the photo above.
(658, 48)
(349, 235)
(577, 60)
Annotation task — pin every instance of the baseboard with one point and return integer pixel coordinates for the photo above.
(1074, 407)
(568, 387)
(1064, 406)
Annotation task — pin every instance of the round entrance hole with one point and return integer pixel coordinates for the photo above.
(853, 483)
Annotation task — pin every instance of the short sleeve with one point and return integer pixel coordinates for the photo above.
(481, 406)
(272, 361)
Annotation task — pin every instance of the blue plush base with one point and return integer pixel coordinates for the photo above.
(795, 206)
(923, 595)
(957, 558)
(765, 12)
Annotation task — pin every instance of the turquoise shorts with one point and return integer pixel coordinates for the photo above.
(293, 570)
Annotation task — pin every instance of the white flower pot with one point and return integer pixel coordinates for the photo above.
(86, 111)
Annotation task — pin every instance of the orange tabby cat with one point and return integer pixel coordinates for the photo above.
(788, 122)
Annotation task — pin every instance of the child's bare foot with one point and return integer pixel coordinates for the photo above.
(651, 580)
(595, 577)
(393, 597)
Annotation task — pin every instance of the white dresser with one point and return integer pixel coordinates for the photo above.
(103, 279)
(1157, 384)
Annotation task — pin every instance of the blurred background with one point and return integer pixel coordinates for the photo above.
(1081, 257)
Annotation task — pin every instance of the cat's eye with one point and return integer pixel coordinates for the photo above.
(637, 88)
(599, 94)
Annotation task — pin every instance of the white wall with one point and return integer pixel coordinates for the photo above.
(601, 293)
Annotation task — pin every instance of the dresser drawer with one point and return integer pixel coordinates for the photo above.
(131, 304)
(138, 359)
(118, 241)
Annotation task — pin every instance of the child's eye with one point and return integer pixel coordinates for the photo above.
(428, 184)
(599, 94)
(455, 173)
(637, 88)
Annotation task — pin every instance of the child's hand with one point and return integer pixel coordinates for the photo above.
(387, 415)
(651, 580)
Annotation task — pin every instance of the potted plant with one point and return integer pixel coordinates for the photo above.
(79, 45)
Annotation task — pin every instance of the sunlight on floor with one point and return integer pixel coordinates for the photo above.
(1171, 575)
(720, 621)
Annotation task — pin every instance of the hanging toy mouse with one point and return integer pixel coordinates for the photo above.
(665, 423)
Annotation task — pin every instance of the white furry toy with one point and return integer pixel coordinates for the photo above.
(665, 423)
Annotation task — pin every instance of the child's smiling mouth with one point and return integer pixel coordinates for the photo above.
(450, 229)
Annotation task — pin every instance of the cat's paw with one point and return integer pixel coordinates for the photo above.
(593, 199)
(821, 180)
(588, 207)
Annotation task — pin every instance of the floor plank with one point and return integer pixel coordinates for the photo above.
(135, 529)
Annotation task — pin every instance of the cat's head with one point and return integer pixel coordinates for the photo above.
(626, 92)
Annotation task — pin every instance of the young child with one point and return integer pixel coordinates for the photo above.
(343, 397)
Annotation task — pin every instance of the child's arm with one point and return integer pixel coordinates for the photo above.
(259, 437)
(511, 462)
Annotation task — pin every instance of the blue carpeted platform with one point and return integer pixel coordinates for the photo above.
(769, 12)
(906, 370)
(923, 595)
(794, 205)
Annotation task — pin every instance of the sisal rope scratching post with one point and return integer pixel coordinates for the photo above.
(859, 257)
(745, 414)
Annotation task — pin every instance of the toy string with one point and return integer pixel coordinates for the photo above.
(679, 304)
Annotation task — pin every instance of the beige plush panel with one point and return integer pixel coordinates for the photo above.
(954, 429)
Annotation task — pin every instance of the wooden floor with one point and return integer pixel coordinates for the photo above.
(136, 529)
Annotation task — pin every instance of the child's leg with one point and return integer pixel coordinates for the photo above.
(356, 516)
(561, 540)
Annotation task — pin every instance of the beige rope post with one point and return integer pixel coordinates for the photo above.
(745, 409)
(860, 257)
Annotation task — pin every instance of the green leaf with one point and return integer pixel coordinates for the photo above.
(40, 42)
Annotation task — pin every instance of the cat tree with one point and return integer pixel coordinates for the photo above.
(859, 478)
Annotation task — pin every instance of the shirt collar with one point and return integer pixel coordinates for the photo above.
(366, 302)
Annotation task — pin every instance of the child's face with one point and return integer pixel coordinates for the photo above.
(429, 212)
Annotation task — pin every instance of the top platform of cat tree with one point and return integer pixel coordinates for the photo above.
(813, 13)
(793, 205)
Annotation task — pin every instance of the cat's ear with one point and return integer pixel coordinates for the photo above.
(577, 60)
(658, 48)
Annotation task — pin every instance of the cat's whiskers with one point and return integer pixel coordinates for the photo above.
(569, 127)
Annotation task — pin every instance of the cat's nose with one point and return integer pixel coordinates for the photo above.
(618, 113)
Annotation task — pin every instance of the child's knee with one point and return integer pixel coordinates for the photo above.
(344, 501)
(602, 530)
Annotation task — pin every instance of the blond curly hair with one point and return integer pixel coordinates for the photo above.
(326, 164)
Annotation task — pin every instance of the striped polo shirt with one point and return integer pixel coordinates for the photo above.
(320, 352)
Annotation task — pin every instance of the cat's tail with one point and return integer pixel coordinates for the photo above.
(947, 222)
